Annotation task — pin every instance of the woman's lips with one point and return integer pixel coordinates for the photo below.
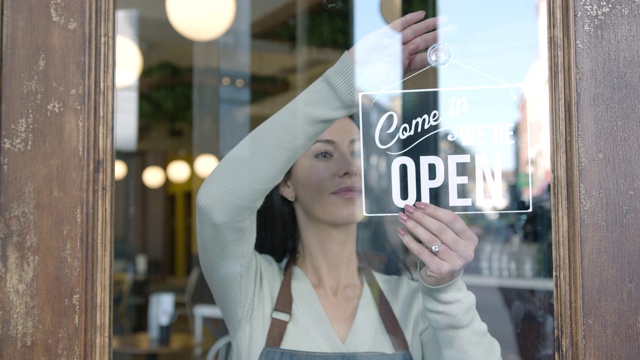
(348, 192)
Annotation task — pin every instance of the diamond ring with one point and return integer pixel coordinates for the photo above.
(435, 248)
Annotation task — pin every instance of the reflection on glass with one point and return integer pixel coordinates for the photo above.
(178, 171)
(204, 164)
(154, 177)
(129, 62)
(201, 20)
(483, 138)
(120, 170)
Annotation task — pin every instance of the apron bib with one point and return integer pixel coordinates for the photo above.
(282, 314)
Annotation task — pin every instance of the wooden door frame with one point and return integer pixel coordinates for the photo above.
(594, 86)
(56, 179)
(565, 224)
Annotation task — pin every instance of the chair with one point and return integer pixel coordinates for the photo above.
(221, 348)
(184, 302)
(200, 313)
(122, 285)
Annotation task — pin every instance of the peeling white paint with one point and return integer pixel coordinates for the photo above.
(62, 341)
(585, 204)
(76, 303)
(41, 63)
(21, 239)
(66, 254)
(54, 106)
(19, 138)
(596, 12)
(55, 8)
(76, 267)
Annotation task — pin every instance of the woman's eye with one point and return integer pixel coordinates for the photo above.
(355, 153)
(323, 155)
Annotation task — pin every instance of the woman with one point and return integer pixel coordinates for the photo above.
(322, 302)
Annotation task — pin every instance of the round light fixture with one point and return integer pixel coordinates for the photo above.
(129, 62)
(120, 170)
(154, 177)
(204, 164)
(391, 10)
(201, 20)
(178, 171)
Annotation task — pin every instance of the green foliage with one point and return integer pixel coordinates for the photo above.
(166, 94)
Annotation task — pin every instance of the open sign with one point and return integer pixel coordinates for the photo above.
(455, 148)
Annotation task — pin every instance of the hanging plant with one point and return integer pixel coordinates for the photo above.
(166, 96)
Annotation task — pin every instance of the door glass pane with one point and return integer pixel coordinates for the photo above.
(460, 122)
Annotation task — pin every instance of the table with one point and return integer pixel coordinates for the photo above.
(536, 283)
(139, 344)
(200, 312)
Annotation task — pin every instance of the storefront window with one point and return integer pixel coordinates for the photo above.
(459, 122)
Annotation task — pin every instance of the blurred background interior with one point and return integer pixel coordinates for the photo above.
(193, 77)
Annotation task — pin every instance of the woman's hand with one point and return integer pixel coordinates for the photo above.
(443, 242)
(405, 40)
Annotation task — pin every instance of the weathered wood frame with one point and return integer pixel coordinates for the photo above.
(565, 224)
(56, 179)
(594, 87)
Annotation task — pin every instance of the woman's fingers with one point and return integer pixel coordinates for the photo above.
(407, 20)
(439, 268)
(434, 235)
(417, 247)
(420, 37)
(430, 226)
(419, 29)
(450, 219)
(415, 226)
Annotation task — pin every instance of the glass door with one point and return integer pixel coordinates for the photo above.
(467, 131)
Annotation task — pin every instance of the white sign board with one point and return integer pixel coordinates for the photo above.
(448, 147)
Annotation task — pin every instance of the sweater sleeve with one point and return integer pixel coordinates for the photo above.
(455, 324)
(229, 198)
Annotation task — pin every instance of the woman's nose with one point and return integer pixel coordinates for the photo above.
(349, 165)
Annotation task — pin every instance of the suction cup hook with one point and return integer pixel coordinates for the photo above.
(438, 55)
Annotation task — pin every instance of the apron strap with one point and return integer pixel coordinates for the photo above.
(387, 315)
(281, 313)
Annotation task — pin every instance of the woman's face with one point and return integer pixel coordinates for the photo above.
(326, 180)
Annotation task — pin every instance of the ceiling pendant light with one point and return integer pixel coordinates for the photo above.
(204, 164)
(178, 171)
(129, 62)
(154, 177)
(201, 20)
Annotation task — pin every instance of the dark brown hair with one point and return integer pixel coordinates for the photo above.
(277, 227)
